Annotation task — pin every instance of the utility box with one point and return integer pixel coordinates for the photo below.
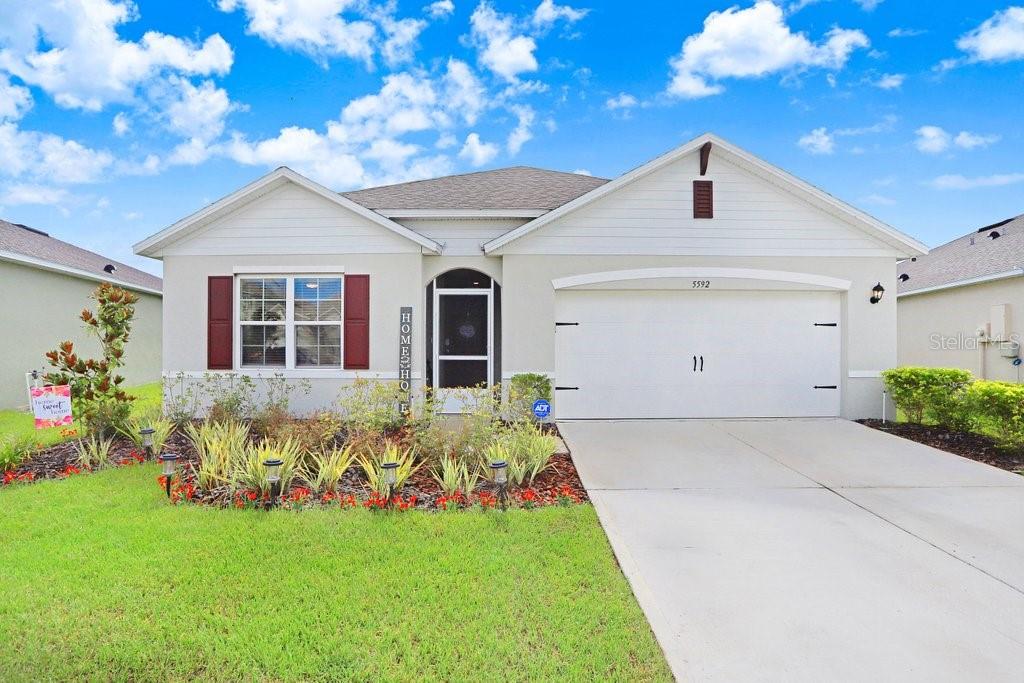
(999, 325)
(1009, 349)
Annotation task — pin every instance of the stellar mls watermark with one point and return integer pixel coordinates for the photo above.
(965, 342)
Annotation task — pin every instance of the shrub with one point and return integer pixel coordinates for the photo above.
(523, 390)
(454, 475)
(96, 392)
(317, 433)
(232, 396)
(463, 436)
(372, 467)
(162, 429)
(327, 468)
(220, 446)
(935, 391)
(94, 452)
(530, 446)
(371, 406)
(250, 474)
(181, 398)
(14, 450)
(998, 407)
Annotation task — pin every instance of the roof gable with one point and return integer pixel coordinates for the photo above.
(897, 241)
(155, 244)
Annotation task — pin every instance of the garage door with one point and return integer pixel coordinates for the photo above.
(679, 354)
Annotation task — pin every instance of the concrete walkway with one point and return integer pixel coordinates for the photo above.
(811, 549)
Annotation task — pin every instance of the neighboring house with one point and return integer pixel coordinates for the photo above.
(705, 283)
(44, 284)
(957, 304)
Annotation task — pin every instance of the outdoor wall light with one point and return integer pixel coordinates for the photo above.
(876, 293)
(170, 464)
(147, 440)
(500, 470)
(273, 466)
(390, 478)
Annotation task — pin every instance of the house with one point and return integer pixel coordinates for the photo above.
(45, 283)
(957, 304)
(705, 283)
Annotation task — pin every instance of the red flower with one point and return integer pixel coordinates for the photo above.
(71, 469)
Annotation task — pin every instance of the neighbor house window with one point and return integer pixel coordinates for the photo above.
(290, 321)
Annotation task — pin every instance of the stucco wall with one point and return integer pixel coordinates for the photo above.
(938, 329)
(869, 344)
(41, 308)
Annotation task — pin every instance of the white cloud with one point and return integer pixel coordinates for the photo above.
(463, 91)
(1000, 38)
(905, 32)
(582, 171)
(890, 81)
(131, 215)
(968, 140)
(621, 101)
(73, 52)
(476, 152)
(751, 43)
(547, 13)
(440, 9)
(959, 182)
(15, 100)
(315, 28)
(869, 5)
(878, 200)
(932, 140)
(20, 193)
(121, 124)
(818, 141)
(49, 158)
(446, 141)
(401, 39)
(522, 133)
(500, 47)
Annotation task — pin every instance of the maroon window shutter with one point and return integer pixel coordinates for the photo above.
(357, 322)
(703, 199)
(219, 322)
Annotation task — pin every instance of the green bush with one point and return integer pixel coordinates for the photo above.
(998, 408)
(523, 390)
(936, 393)
(14, 449)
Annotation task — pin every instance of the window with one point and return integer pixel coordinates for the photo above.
(290, 321)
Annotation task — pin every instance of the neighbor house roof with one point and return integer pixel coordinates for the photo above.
(515, 188)
(28, 246)
(990, 253)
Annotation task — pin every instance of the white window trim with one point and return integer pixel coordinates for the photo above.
(256, 271)
(291, 351)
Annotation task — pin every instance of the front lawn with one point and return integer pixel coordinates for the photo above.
(17, 423)
(104, 580)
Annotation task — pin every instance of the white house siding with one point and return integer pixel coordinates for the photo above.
(291, 220)
(654, 215)
(528, 313)
(41, 309)
(939, 329)
(462, 236)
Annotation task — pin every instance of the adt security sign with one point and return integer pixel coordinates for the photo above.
(541, 409)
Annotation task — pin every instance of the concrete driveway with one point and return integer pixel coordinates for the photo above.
(811, 549)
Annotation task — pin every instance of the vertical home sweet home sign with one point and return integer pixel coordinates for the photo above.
(405, 357)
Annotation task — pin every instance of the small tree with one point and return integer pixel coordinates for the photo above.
(96, 394)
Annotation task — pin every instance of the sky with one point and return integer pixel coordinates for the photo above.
(119, 118)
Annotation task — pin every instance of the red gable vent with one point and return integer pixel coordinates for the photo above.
(703, 199)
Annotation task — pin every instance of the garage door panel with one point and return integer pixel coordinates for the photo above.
(632, 354)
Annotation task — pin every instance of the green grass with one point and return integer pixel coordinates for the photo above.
(23, 424)
(104, 580)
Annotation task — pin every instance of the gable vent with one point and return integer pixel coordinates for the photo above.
(703, 199)
(904, 277)
(994, 235)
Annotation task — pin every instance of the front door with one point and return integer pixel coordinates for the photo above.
(463, 342)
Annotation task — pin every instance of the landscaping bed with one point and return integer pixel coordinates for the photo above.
(966, 444)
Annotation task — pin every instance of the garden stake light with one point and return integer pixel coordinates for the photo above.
(391, 478)
(273, 466)
(147, 440)
(500, 470)
(170, 463)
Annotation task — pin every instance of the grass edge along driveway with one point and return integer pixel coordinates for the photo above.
(104, 580)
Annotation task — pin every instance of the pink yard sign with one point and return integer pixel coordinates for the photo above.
(52, 406)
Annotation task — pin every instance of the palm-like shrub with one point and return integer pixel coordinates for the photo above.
(162, 429)
(93, 452)
(250, 474)
(326, 468)
(372, 465)
(220, 446)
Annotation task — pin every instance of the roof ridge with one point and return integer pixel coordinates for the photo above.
(464, 175)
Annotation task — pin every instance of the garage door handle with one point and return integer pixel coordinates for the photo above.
(825, 386)
(565, 324)
(826, 324)
(567, 388)
(702, 363)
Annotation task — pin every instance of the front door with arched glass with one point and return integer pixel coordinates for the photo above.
(463, 304)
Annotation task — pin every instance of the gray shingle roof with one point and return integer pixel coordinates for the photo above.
(970, 256)
(519, 187)
(20, 239)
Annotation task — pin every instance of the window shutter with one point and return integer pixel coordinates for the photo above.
(357, 322)
(703, 199)
(219, 322)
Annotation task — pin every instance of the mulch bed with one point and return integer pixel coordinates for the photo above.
(53, 463)
(966, 444)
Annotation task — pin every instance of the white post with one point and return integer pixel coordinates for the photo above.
(31, 381)
(884, 395)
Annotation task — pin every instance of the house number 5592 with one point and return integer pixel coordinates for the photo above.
(702, 284)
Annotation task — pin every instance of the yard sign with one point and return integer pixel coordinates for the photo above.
(405, 357)
(51, 406)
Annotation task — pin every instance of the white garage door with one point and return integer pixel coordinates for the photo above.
(678, 354)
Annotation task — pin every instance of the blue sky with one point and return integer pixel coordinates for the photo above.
(119, 118)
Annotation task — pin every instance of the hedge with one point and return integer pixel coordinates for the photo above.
(952, 398)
